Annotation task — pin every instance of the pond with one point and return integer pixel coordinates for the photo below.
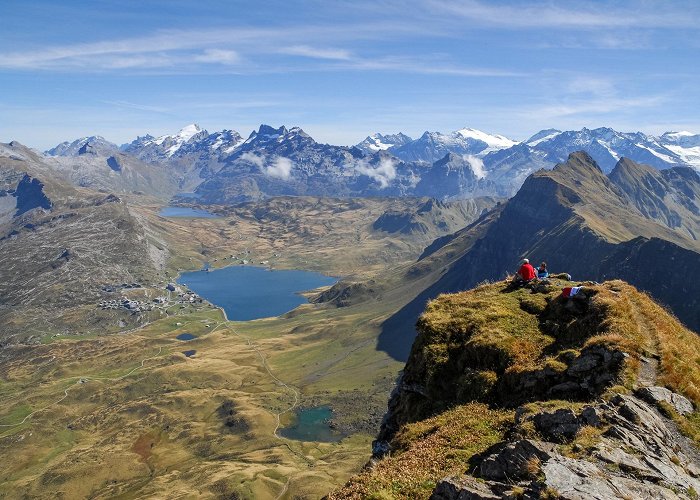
(312, 424)
(193, 213)
(186, 336)
(190, 353)
(247, 292)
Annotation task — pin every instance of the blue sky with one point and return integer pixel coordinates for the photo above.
(344, 69)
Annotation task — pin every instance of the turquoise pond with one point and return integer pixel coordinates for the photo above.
(194, 213)
(312, 424)
(248, 292)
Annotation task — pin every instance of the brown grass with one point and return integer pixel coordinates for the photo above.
(431, 450)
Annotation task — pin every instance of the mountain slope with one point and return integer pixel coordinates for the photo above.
(570, 366)
(61, 245)
(580, 222)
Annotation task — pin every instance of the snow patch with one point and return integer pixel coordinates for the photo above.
(690, 156)
(543, 139)
(494, 141)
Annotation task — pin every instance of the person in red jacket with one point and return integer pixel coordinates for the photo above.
(526, 273)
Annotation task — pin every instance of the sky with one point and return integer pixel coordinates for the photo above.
(342, 70)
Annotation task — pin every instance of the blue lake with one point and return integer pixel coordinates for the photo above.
(195, 213)
(311, 424)
(186, 336)
(190, 353)
(247, 292)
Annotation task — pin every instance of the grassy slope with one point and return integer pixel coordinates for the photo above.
(473, 342)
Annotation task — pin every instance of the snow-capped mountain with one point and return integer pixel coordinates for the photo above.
(433, 146)
(190, 139)
(193, 153)
(494, 142)
(606, 146)
(381, 142)
(684, 144)
(224, 167)
(85, 145)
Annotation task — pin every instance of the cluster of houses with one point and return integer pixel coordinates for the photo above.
(129, 305)
(183, 297)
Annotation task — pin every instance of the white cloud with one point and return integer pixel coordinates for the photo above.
(254, 159)
(280, 168)
(218, 56)
(140, 107)
(383, 173)
(317, 53)
(586, 15)
(477, 165)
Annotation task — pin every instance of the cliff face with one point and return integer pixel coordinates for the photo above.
(535, 394)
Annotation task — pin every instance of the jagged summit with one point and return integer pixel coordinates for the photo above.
(267, 133)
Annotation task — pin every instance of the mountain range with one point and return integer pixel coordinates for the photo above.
(222, 167)
(635, 223)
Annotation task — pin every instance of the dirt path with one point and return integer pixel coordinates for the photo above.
(649, 365)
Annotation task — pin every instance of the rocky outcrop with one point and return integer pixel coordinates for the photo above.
(657, 395)
(30, 195)
(639, 454)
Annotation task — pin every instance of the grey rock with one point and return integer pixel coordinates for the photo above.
(657, 394)
(590, 416)
(576, 479)
(558, 426)
(514, 460)
(462, 488)
(628, 463)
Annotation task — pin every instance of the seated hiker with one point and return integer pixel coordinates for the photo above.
(542, 271)
(526, 273)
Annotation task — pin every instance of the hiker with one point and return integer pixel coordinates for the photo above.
(525, 274)
(542, 272)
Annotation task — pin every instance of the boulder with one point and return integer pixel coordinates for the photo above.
(463, 488)
(558, 426)
(517, 460)
(656, 394)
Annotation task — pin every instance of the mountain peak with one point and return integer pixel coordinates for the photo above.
(579, 161)
(493, 141)
(189, 131)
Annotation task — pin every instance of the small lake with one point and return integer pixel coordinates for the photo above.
(193, 213)
(311, 424)
(186, 336)
(189, 354)
(247, 292)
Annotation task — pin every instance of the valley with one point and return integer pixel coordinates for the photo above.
(110, 394)
(112, 370)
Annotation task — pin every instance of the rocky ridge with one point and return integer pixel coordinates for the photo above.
(589, 397)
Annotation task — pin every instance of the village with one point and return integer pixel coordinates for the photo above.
(174, 295)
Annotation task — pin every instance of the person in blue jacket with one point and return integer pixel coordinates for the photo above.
(542, 271)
